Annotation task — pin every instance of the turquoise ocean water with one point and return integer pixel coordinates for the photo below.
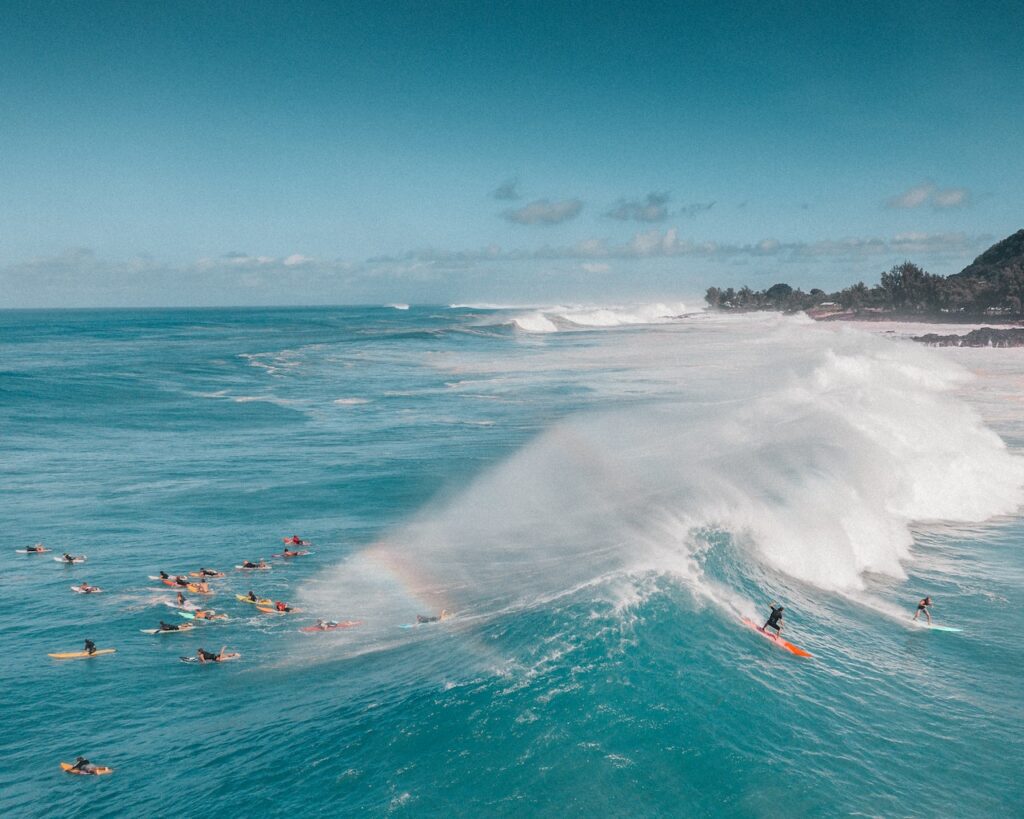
(597, 495)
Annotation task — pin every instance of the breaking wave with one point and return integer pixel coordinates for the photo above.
(809, 451)
(553, 319)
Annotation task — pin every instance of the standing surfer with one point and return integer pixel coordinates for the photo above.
(774, 619)
(923, 605)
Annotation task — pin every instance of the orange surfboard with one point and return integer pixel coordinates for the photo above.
(100, 770)
(777, 640)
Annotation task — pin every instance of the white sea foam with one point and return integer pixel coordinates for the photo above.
(618, 316)
(399, 306)
(535, 322)
(815, 448)
(552, 319)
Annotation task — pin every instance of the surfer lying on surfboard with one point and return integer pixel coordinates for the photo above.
(922, 605)
(209, 657)
(84, 766)
(422, 618)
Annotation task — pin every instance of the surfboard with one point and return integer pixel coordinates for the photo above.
(226, 658)
(80, 559)
(81, 655)
(265, 610)
(187, 607)
(254, 568)
(99, 771)
(343, 624)
(777, 640)
(178, 630)
(299, 554)
(935, 627)
(33, 551)
(188, 615)
(90, 590)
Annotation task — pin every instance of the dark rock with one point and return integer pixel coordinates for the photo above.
(982, 337)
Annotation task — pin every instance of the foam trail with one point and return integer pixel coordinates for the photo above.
(815, 449)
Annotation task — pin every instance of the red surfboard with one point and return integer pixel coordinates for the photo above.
(777, 640)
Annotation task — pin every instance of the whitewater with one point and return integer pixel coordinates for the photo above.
(596, 493)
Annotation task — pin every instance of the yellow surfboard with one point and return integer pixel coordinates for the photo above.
(81, 655)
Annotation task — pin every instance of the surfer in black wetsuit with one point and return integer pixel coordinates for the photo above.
(90, 647)
(774, 620)
(923, 605)
(209, 657)
(84, 765)
(422, 618)
(169, 627)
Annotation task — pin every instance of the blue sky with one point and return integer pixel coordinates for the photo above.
(263, 153)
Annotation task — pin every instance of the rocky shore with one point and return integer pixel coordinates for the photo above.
(982, 337)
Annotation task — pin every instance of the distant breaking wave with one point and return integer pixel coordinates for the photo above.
(553, 319)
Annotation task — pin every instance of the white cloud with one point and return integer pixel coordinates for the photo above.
(545, 212)
(951, 198)
(913, 198)
(297, 259)
(928, 194)
(657, 243)
(595, 267)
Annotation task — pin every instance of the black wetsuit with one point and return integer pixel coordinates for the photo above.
(206, 655)
(90, 647)
(168, 627)
(773, 619)
(421, 619)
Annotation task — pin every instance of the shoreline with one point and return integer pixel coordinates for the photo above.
(920, 318)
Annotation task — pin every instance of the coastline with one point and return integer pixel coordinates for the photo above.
(960, 319)
(946, 330)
